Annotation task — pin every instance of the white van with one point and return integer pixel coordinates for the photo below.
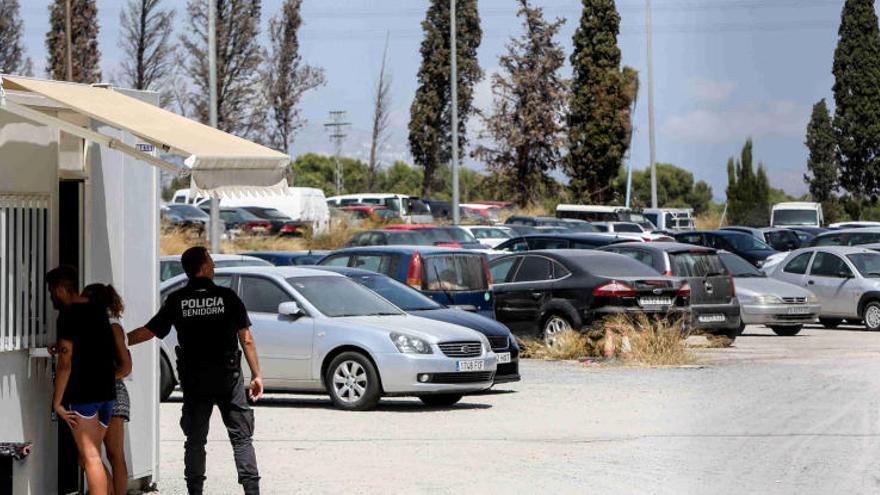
(409, 208)
(305, 204)
(796, 214)
(670, 218)
(595, 213)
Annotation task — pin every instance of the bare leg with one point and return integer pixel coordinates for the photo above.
(89, 435)
(114, 442)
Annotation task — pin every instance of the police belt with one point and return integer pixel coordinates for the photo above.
(226, 361)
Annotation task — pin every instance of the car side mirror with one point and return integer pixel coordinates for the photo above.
(845, 274)
(291, 309)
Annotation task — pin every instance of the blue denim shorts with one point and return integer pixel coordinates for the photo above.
(104, 411)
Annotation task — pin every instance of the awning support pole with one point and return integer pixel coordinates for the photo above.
(112, 143)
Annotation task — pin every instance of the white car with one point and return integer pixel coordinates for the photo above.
(490, 235)
(170, 266)
(321, 332)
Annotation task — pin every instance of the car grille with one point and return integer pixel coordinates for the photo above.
(463, 377)
(499, 343)
(505, 369)
(794, 300)
(462, 349)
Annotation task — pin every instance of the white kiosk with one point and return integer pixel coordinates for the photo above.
(79, 185)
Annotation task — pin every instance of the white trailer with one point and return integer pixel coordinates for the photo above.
(79, 185)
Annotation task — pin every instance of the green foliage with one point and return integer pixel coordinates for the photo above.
(599, 113)
(748, 193)
(430, 114)
(85, 57)
(856, 72)
(178, 182)
(822, 173)
(12, 49)
(675, 188)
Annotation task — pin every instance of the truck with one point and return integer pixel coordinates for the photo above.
(796, 214)
(670, 219)
(596, 213)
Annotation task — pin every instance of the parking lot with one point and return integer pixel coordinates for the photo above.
(770, 415)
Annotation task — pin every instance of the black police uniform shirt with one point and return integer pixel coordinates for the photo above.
(207, 318)
(93, 366)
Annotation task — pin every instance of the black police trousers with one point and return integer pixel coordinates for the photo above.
(239, 420)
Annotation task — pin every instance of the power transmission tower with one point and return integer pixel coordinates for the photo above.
(337, 127)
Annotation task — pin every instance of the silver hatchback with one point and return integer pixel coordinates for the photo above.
(318, 332)
(846, 281)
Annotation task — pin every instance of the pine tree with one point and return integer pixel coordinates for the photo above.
(146, 32)
(822, 173)
(857, 96)
(430, 122)
(85, 57)
(599, 113)
(288, 78)
(239, 58)
(12, 59)
(528, 108)
(748, 193)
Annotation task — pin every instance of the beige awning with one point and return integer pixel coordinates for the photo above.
(221, 163)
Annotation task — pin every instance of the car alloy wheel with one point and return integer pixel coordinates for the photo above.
(350, 381)
(554, 326)
(872, 316)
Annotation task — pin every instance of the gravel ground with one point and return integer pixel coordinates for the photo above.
(770, 415)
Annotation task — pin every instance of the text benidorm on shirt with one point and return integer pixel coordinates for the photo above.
(201, 307)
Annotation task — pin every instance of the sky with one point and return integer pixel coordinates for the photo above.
(724, 70)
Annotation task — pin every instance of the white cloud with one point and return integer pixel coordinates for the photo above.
(784, 119)
(709, 90)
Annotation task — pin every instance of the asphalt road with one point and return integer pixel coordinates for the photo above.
(770, 415)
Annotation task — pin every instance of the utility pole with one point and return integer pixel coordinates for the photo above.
(69, 41)
(453, 78)
(337, 127)
(212, 113)
(651, 141)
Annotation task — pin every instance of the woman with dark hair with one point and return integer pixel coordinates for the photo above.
(107, 298)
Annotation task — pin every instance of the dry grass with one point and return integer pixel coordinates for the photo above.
(710, 220)
(177, 241)
(567, 345)
(529, 211)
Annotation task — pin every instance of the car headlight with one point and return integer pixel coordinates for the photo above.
(768, 299)
(408, 344)
(812, 299)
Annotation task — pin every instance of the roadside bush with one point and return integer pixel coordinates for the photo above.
(567, 345)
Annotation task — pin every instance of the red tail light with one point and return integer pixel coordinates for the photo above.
(486, 269)
(614, 289)
(253, 225)
(414, 273)
(684, 290)
(732, 288)
(447, 244)
(668, 273)
(289, 228)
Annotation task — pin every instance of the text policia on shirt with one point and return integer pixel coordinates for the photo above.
(202, 306)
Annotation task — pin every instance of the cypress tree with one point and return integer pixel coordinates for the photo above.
(748, 193)
(857, 96)
(12, 59)
(430, 114)
(84, 41)
(822, 173)
(599, 113)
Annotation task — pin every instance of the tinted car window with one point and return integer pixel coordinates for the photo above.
(455, 273)
(827, 240)
(234, 263)
(534, 268)
(168, 269)
(739, 267)
(559, 271)
(799, 264)
(380, 263)
(627, 227)
(489, 233)
(501, 269)
(516, 246)
(262, 295)
(829, 265)
(744, 242)
(341, 260)
(695, 264)
(868, 264)
(639, 256)
(690, 238)
(782, 240)
(359, 239)
(546, 243)
(863, 238)
(621, 266)
(309, 259)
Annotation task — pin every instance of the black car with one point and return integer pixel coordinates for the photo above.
(714, 307)
(806, 234)
(241, 220)
(560, 241)
(279, 222)
(388, 238)
(536, 221)
(847, 237)
(414, 302)
(746, 246)
(542, 293)
(185, 216)
(778, 238)
(439, 208)
(290, 258)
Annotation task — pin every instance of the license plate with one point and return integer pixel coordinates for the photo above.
(711, 318)
(655, 301)
(799, 310)
(476, 365)
(503, 357)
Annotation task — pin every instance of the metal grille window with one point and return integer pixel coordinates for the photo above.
(24, 224)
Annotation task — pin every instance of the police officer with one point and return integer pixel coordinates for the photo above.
(211, 322)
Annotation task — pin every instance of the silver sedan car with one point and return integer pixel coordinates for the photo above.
(320, 332)
(845, 279)
(782, 306)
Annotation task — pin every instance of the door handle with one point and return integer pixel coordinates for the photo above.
(811, 282)
(537, 294)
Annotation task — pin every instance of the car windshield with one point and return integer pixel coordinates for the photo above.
(188, 210)
(436, 235)
(781, 240)
(627, 227)
(739, 267)
(460, 235)
(745, 242)
(339, 296)
(402, 296)
(273, 213)
(407, 238)
(455, 272)
(241, 262)
(490, 233)
(695, 264)
(240, 215)
(795, 217)
(868, 264)
(576, 226)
